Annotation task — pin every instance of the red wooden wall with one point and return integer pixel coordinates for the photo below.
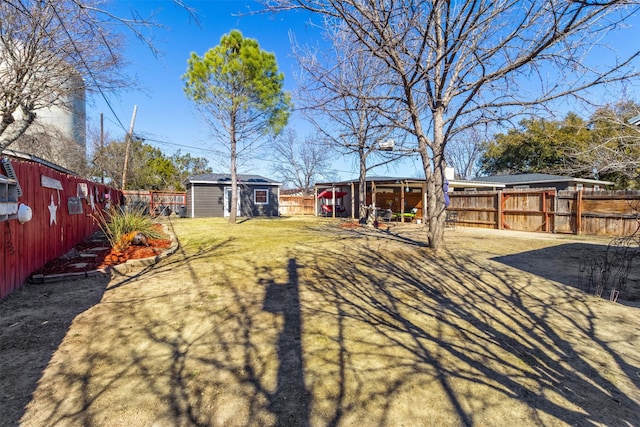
(29, 246)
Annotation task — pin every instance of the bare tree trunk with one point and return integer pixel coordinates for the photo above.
(15, 132)
(234, 176)
(362, 185)
(48, 47)
(435, 183)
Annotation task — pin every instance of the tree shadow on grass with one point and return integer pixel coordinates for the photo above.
(462, 325)
(211, 249)
(410, 235)
(290, 402)
(205, 354)
(35, 320)
(571, 264)
(334, 336)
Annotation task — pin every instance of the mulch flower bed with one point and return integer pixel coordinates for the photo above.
(95, 253)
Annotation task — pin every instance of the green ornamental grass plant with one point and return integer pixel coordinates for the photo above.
(120, 225)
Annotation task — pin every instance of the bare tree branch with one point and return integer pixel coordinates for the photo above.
(343, 92)
(457, 64)
(52, 51)
(299, 163)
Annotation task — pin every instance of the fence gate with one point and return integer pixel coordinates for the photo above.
(527, 210)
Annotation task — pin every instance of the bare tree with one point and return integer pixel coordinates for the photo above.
(48, 50)
(52, 51)
(613, 151)
(459, 64)
(299, 163)
(50, 144)
(463, 153)
(344, 92)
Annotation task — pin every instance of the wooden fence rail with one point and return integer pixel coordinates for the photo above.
(61, 207)
(604, 213)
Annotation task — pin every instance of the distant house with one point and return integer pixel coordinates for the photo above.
(542, 180)
(209, 195)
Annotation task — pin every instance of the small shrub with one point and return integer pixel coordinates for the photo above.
(119, 225)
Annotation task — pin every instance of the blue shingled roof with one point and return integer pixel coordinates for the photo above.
(523, 177)
(535, 178)
(221, 178)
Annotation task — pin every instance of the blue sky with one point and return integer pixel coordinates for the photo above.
(167, 119)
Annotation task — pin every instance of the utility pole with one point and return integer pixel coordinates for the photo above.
(102, 146)
(128, 138)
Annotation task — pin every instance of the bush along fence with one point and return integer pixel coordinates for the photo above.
(602, 213)
(44, 212)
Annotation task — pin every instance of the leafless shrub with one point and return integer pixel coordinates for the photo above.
(609, 273)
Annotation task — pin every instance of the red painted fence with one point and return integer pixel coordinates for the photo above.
(57, 224)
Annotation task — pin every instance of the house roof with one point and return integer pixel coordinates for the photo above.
(225, 178)
(398, 181)
(377, 179)
(538, 178)
(30, 157)
(467, 183)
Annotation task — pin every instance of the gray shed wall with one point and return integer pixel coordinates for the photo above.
(207, 200)
(204, 200)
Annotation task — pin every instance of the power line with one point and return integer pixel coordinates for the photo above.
(87, 68)
(179, 145)
(214, 151)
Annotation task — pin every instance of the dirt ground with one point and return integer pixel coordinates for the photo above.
(320, 325)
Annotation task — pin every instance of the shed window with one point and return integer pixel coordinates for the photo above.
(261, 197)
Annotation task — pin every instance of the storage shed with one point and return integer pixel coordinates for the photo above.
(209, 195)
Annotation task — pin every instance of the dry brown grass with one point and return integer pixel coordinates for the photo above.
(301, 322)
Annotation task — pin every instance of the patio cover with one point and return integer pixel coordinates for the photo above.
(328, 194)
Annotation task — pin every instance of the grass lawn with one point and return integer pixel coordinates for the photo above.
(300, 322)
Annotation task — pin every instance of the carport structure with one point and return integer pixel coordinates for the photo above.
(404, 196)
(398, 194)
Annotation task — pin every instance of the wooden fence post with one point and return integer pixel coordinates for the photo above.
(499, 218)
(578, 212)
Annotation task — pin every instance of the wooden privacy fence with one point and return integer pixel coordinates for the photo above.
(297, 205)
(605, 213)
(61, 206)
(157, 202)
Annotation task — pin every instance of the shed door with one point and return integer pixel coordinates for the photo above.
(227, 202)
